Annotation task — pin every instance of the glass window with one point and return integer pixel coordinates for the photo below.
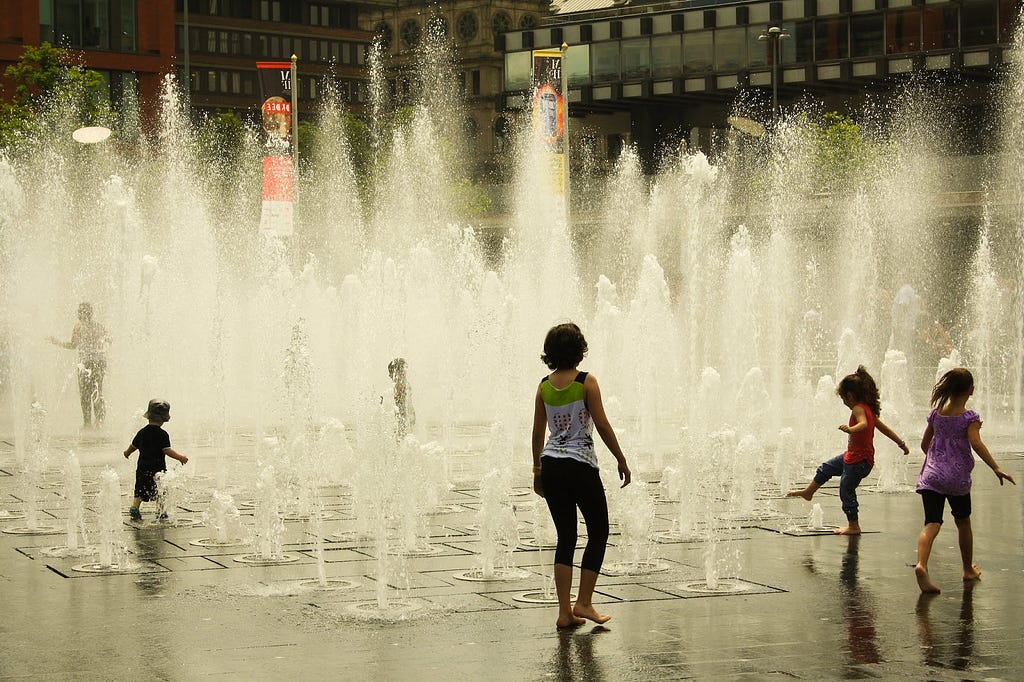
(264, 46)
(247, 44)
(501, 22)
(247, 84)
(314, 14)
(939, 27)
(605, 61)
(518, 70)
(903, 31)
(831, 38)
(467, 26)
(236, 83)
(211, 42)
(236, 43)
(96, 24)
(225, 81)
(698, 52)
(325, 50)
(265, 10)
(1007, 20)
(313, 51)
(224, 45)
(799, 48)
(666, 55)
(410, 33)
(128, 30)
(346, 53)
(211, 81)
(730, 49)
(867, 34)
(636, 58)
(577, 65)
(757, 50)
(275, 46)
(977, 23)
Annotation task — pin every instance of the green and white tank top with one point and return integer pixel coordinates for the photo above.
(569, 422)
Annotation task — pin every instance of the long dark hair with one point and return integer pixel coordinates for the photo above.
(862, 388)
(564, 347)
(954, 383)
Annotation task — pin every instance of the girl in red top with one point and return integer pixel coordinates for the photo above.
(860, 393)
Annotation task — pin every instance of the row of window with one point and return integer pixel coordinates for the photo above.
(263, 46)
(89, 24)
(941, 27)
(467, 27)
(245, 84)
(290, 11)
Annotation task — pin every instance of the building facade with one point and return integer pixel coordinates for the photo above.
(650, 72)
(129, 42)
(474, 29)
(225, 38)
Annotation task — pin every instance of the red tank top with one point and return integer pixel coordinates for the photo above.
(861, 445)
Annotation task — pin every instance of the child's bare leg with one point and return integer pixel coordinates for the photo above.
(563, 588)
(806, 493)
(584, 607)
(852, 528)
(136, 503)
(924, 551)
(966, 533)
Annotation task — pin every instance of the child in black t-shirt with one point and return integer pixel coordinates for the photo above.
(153, 445)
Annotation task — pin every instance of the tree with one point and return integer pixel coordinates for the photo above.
(45, 79)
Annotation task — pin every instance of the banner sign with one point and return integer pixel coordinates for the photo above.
(276, 217)
(549, 111)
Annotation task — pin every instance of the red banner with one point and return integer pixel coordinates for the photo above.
(275, 80)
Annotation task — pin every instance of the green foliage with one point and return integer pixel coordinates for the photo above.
(221, 138)
(844, 155)
(44, 78)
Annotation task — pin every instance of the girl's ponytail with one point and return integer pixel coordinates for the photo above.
(863, 388)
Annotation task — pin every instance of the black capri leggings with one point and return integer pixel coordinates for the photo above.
(569, 483)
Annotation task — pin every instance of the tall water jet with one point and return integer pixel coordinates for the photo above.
(112, 548)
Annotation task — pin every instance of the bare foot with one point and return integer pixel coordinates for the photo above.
(803, 492)
(852, 529)
(590, 613)
(925, 582)
(974, 573)
(569, 622)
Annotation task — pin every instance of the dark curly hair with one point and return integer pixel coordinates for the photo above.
(564, 347)
(955, 382)
(862, 388)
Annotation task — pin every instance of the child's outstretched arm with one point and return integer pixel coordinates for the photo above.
(860, 421)
(891, 435)
(540, 423)
(592, 396)
(974, 435)
(173, 454)
(129, 450)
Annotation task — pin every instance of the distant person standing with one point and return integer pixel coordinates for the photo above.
(91, 339)
(398, 371)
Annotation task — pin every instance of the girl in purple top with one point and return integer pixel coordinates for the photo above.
(952, 432)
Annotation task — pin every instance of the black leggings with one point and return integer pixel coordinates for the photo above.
(569, 483)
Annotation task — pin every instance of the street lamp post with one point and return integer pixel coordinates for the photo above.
(773, 35)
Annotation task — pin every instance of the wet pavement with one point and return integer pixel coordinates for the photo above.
(805, 605)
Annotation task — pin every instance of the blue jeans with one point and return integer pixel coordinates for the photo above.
(850, 476)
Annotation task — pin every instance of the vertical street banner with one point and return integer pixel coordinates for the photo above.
(276, 216)
(549, 112)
